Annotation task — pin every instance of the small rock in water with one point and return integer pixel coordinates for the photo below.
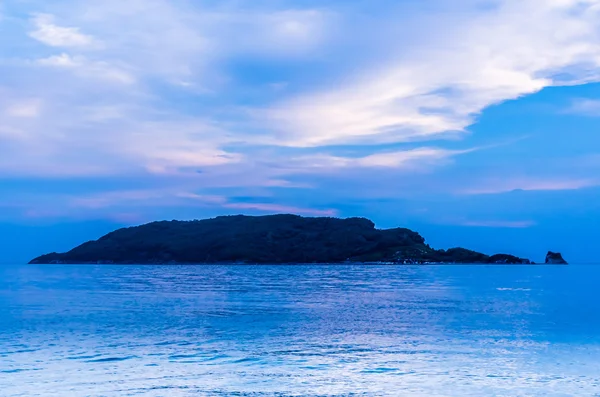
(555, 258)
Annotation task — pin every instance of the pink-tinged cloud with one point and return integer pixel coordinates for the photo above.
(500, 224)
(496, 186)
(117, 199)
(268, 207)
(108, 199)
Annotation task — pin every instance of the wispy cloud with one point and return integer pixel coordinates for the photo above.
(409, 159)
(53, 35)
(128, 201)
(498, 224)
(471, 60)
(60, 61)
(584, 107)
(86, 68)
(496, 186)
(277, 208)
(24, 109)
(419, 156)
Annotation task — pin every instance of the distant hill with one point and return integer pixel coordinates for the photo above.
(265, 239)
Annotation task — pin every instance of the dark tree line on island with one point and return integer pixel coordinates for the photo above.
(266, 239)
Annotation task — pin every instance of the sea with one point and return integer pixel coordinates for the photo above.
(299, 330)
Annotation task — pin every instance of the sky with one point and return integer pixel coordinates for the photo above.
(474, 122)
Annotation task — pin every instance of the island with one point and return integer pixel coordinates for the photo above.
(271, 239)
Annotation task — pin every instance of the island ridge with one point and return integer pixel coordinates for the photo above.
(268, 239)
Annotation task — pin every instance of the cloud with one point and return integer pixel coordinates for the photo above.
(499, 224)
(277, 208)
(114, 141)
(409, 159)
(24, 109)
(188, 94)
(135, 199)
(186, 43)
(47, 32)
(86, 68)
(504, 185)
(61, 61)
(135, 124)
(584, 107)
(292, 32)
(465, 62)
(404, 158)
(110, 199)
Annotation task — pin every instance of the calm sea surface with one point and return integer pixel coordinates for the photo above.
(299, 331)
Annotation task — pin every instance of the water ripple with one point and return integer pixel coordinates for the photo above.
(110, 359)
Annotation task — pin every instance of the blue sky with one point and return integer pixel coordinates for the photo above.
(475, 122)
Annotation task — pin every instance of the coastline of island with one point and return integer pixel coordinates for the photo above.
(271, 239)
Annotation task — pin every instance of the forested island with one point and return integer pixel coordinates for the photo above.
(273, 239)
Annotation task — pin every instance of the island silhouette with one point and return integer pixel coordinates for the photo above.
(271, 239)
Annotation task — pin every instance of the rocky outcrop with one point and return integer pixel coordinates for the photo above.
(555, 258)
(266, 239)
